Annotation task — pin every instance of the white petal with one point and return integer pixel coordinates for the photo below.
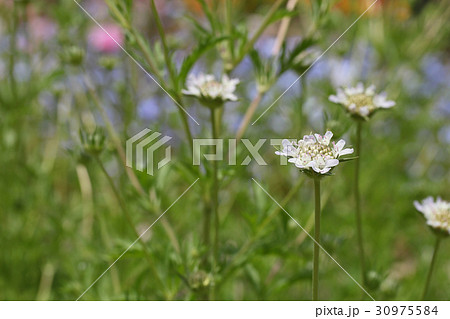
(360, 87)
(346, 151)
(327, 137)
(418, 206)
(334, 99)
(364, 111)
(325, 170)
(387, 104)
(340, 145)
(286, 142)
(370, 90)
(315, 167)
(319, 138)
(332, 163)
(299, 165)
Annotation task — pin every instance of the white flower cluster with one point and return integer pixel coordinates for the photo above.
(210, 91)
(314, 152)
(360, 101)
(437, 213)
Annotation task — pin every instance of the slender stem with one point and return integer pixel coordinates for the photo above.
(264, 24)
(129, 220)
(301, 103)
(164, 43)
(121, 152)
(237, 258)
(172, 73)
(215, 192)
(112, 133)
(207, 224)
(248, 115)
(358, 203)
(283, 29)
(315, 288)
(185, 121)
(430, 271)
(229, 26)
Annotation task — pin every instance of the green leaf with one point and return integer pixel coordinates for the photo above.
(348, 159)
(198, 26)
(195, 55)
(288, 58)
(280, 14)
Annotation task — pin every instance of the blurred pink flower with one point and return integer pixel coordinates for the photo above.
(106, 42)
(42, 29)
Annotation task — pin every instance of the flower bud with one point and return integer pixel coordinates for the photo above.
(373, 280)
(73, 55)
(93, 143)
(200, 280)
(108, 62)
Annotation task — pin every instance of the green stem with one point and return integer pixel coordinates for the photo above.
(164, 43)
(315, 279)
(207, 225)
(430, 271)
(358, 203)
(129, 220)
(264, 24)
(186, 126)
(237, 258)
(301, 102)
(215, 195)
(229, 26)
(172, 72)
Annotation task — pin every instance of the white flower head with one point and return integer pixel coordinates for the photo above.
(210, 91)
(314, 154)
(361, 102)
(437, 214)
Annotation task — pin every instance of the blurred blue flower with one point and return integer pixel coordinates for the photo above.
(443, 105)
(319, 70)
(148, 109)
(444, 134)
(265, 46)
(436, 73)
(343, 72)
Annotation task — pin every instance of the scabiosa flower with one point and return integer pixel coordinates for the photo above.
(314, 153)
(361, 102)
(209, 91)
(437, 214)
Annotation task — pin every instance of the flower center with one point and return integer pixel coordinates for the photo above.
(211, 88)
(443, 216)
(361, 100)
(317, 150)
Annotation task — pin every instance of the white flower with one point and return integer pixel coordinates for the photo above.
(289, 149)
(361, 102)
(437, 213)
(210, 91)
(314, 153)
